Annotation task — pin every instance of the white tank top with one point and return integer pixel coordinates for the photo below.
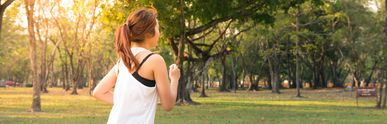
(133, 102)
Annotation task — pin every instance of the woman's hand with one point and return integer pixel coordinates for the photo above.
(174, 72)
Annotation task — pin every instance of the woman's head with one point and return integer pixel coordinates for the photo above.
(141, 27)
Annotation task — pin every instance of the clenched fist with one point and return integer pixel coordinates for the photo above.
(174, 72)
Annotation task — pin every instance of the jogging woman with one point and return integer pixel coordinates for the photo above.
(139, 77)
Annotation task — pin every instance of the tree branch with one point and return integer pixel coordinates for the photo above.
(174, 45)
(5, 4)
(243, 12)
(204, 35)
(220, 36)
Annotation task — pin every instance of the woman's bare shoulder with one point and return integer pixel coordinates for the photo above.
(157, 59)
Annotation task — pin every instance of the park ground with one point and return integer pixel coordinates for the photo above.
(331, 106)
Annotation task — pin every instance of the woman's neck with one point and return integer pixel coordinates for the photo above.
(142, 45)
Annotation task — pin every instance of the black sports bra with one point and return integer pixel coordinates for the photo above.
(144, 81)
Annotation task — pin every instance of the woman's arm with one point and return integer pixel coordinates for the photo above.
(102, 90)
(166, 91)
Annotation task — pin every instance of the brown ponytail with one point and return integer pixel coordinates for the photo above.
(139, 25)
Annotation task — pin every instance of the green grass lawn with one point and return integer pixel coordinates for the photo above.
(261, 107)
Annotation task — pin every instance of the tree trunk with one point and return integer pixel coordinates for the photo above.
(356, 79)
(297, 64)
(63, 77)
(335, 75)
(76, 73)
(254, 83)
(183, 96)
(1, 22)
(76, 77)
(203, 92)
(50, 72)
(316, 80)
(298, 87)
(222, 87)
(368, 80)
(75, 86)
(321, 73)
(324, 83)
(274, 72)
(43, 71)
(385, 97)
(233, 79)
(90, 77)
(269, 80)
(276, 82)
(66, 81)
(385, 54)
(189, 76)
(289, 64)
(379, 100)
(81, 78)
(208, 81)
(297, 79)
(36, 106)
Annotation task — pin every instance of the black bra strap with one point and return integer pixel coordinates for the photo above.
(139, 66)
(118, 66)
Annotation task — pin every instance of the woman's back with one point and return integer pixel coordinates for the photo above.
(134, 101)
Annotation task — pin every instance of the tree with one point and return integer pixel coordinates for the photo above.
(3, 6)
(385, 49)
(252, 56)
(206, 16)
(381, 103)
(13, 48)
(75, 38)
(36, 106)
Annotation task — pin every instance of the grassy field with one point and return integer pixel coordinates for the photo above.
(261, 107)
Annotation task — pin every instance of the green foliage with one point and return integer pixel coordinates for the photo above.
(14, 53)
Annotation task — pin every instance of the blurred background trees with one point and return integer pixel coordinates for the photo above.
(229, 45)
